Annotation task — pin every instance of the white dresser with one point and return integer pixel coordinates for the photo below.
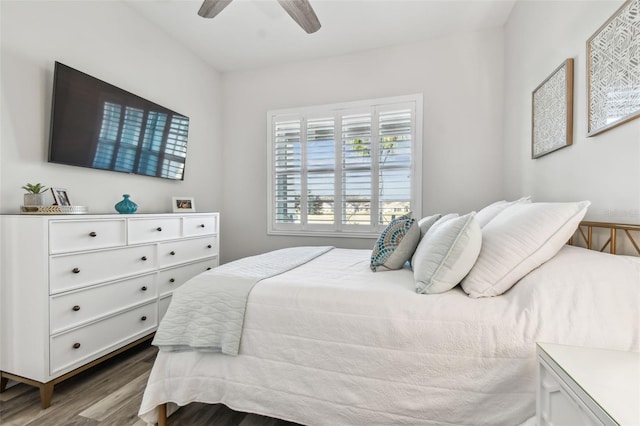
(76, 290)
(587, 386)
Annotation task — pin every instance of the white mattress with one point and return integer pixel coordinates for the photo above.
(331, 343)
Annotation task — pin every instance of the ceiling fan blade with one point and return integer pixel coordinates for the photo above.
(211, 8)
(302, 12)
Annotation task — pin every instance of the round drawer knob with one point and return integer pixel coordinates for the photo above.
(144, 288)
(143, 258)
(75, 270)
(173, 253)
(143, 318)
(172, 280)
(93, 234)
(209, 268)
(202, 225)
(76, 345)
(76, 308)
(159, 229)
(209, 246)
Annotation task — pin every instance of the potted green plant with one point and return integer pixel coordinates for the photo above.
(35, 195)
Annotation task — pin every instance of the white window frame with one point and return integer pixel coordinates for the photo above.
(415, 102)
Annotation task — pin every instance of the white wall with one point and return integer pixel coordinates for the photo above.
(461, 78)
(604, 168)
(110, 41)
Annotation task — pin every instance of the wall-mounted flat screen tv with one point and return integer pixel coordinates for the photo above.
(95, 124)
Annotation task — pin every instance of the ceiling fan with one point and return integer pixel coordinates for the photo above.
(300, 10)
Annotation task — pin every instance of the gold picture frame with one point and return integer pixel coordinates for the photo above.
(552, 112)
(613, 73)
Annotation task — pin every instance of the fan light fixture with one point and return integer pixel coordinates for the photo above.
(300, 10)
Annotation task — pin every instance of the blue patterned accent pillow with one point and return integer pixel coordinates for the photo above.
(395, 245)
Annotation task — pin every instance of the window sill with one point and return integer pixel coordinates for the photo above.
(329, 234)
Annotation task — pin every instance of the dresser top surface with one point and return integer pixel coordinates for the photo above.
(108, 215)
(611, 378)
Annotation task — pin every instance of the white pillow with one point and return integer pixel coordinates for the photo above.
(427, 222)
(518, 240)
(445, 218)
(446, 254)
(485, 215)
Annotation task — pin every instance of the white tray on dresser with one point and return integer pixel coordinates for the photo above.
(54, 210)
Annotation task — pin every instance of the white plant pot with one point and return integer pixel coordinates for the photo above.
(34, 199)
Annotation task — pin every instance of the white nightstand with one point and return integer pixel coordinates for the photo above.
(586, 386)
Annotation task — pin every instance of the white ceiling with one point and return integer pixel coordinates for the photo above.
(258, 33)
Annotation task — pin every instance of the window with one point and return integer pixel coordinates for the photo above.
(346, 169)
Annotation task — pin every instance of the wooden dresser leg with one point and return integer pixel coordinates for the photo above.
(3, 383)
(162, 414)
(46, 392)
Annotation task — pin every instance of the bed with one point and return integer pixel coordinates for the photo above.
(329, 342)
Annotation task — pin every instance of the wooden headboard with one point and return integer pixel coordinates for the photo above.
(586, 237)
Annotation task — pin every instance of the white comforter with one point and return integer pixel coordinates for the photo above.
(208, 311)
(331, 343)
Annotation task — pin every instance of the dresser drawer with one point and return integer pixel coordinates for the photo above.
(73, 308)
(176, 252)
(67, 236)
(171, 279)
(68, 272)
(200, 225)
(153, 229)
(77, 347)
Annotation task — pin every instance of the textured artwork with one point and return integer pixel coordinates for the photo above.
(552, 112)
(613, 70)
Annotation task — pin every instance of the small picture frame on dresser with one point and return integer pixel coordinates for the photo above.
(184, 204)
(60, 197)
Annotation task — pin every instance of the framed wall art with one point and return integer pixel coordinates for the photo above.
(613, 70)
(552, 112)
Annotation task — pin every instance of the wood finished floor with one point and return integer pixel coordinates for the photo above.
(110, 394)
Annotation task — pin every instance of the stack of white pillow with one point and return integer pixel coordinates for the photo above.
(489, 251)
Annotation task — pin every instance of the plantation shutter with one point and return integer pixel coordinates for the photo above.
(356, 169)
(320, 171)
(345, 170)
(394, 171)
(288, 170)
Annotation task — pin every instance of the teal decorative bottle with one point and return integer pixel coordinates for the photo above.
(126, 206)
